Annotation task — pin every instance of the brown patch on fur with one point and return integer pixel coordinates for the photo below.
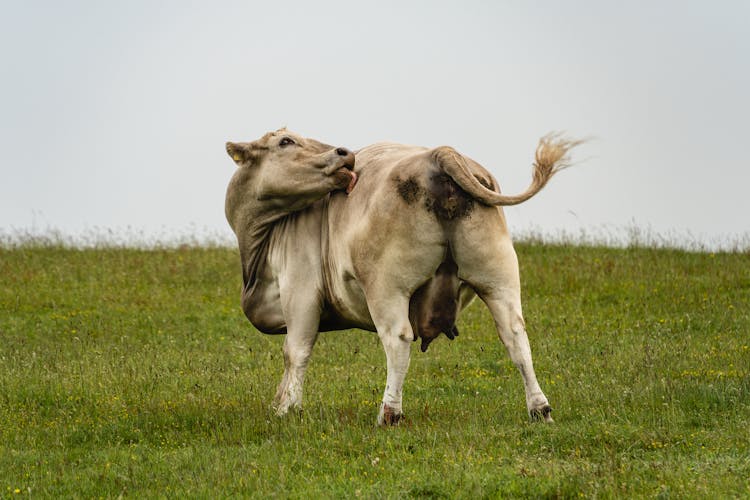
(447, 200)
(408, 189)
(443, 196)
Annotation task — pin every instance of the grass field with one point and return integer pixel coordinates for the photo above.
(134, 372)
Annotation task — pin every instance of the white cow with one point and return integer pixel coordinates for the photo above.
(398, 243)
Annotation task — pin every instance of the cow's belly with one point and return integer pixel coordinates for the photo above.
(348, 304)
(262, 306)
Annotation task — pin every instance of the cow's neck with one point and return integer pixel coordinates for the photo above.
(263, 229)
(254, 240)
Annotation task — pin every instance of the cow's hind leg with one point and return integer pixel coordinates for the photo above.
(505, 307)
(391, 318)
(490, 266)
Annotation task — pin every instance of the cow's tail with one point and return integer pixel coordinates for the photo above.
(551, 157)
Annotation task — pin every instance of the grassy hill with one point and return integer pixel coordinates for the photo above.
(135, 371)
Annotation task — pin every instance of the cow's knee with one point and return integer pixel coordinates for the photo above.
(515, 338)
(396, 338)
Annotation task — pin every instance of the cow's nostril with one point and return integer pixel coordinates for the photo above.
(342, 152)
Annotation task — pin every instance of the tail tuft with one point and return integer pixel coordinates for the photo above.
(551, 157)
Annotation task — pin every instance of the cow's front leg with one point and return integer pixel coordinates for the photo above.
(302, 332)
(297, 351)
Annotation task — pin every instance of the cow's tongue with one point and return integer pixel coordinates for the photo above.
(352, 182)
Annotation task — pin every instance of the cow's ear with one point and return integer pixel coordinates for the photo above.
(240, 152)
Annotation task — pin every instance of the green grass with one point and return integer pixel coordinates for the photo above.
(134, 372)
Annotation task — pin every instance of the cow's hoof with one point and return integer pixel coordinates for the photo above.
(545, 412)
(281, 412)
(388, 416)
(287, 408)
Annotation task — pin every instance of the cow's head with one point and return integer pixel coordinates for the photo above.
(285, 166)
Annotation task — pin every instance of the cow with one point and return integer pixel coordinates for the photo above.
(394, 239)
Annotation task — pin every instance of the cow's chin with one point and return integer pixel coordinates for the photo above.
(345, 179)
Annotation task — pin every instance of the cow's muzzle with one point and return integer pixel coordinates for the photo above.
(347, 157)
(345, 163)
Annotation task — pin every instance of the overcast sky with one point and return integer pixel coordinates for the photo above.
(115, 114)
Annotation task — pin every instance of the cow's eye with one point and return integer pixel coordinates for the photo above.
(286, 141)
